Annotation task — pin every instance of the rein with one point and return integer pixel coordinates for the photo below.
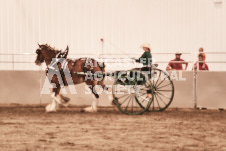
(119, 49)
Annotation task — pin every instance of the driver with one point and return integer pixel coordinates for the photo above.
(146, 57)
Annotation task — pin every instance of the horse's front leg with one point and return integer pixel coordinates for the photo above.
(56, 101)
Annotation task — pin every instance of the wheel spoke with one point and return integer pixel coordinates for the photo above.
(164, 86)
(125, 100)
(153, 105)
(163, 95)
(136, 104)
(163, 90)
(150, 82)
(157, 101)
(128, 104)
(121, 96)
(160, 98)
(144, 99)
(145, 92)
(161, 82)
(158, 79)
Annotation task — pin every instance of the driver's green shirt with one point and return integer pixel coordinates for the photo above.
(145, 59)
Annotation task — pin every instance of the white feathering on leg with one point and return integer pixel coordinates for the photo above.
(110, 98)
(93, 107)
(55, 98)
(52, 107)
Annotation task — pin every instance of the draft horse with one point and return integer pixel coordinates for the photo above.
(46, 53)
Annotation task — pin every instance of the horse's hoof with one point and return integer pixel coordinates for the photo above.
(90, 109)
(112, 103)
(115, 102)
(50, 109)
(110, 99)
(65, 104)
(64, 99)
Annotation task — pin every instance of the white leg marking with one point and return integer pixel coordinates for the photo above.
(52, 107)
(93, 107)
(56, 98)
(110, 98)
(109, 95)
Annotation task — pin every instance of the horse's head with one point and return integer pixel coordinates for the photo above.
(45, 53)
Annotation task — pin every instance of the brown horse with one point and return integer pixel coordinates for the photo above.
(46, 54)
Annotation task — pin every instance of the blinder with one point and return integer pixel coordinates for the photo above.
(38, 51)
(39, 59)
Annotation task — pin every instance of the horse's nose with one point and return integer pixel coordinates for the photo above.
(37, 61)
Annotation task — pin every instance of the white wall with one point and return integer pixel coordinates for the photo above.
(210, 94)
(169, 25)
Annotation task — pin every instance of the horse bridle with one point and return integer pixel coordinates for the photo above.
(38, 51)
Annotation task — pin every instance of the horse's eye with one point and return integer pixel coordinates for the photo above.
(38, 51)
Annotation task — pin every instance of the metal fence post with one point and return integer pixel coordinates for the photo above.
(195, 88)
(195, 80)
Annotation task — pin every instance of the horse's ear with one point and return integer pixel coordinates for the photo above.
(67, 48)
(39, 45)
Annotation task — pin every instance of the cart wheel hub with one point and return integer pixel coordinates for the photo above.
(132, 91)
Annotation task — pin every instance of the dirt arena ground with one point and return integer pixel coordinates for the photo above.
(30, 128)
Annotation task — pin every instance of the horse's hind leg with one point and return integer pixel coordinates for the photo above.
(64, 100)
(60, 98)
(93, 107)
(101, 83)
(108, 89)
